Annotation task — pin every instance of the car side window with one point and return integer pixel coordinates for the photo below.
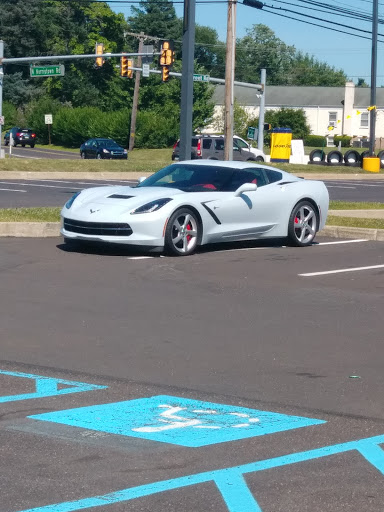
(246, 176)
(273, 175)
(94, 144)
(207, 143)
(240, 143)
(219, 144)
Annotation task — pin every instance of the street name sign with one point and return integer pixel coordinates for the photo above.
(201, 78)
(44, 71)
(146, 70)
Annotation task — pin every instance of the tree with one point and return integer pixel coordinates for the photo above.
(292, 118)
(306, 70)
(361, 83)
(240, 120)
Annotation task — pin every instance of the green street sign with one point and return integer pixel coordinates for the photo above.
(252, 133)
(201, 78)
(57, 70)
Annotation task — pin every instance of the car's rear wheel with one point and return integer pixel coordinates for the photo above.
(183, 233)
(302, 225)
(259, 159)
(23, 145)
(6, 142)
(32, 145)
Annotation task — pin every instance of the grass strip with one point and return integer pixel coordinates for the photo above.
(355, 222)
(30, 215)
(348, 205)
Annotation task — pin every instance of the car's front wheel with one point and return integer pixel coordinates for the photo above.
(259, 159)
(183, 233)
(82, 155)
(302, 225)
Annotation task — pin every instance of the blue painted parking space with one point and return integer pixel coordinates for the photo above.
(177, 420)
(46, 386)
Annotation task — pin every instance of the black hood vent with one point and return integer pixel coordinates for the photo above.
(119, 196)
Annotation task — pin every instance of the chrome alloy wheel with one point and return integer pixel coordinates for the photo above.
(184, 233)
(305, 224)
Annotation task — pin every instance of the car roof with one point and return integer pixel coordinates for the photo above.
(235, 165)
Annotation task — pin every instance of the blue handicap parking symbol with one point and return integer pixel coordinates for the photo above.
(178, 421)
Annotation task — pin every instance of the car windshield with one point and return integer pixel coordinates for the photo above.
(107, 143)
(198, 178)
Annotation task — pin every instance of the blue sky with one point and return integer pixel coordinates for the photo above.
(351, 54)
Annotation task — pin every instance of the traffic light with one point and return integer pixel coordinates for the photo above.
(99, 51)
(126, 67)
(267, 127)
(165, 73)
(167, 58)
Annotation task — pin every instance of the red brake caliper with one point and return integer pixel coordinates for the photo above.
(189, 228)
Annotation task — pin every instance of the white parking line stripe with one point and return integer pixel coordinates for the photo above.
(36, 185)
(31, 157)
(12, 190)
(356, 269)
(338, 186)
(342, 242)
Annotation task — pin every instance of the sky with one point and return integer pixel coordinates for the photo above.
(339, 50)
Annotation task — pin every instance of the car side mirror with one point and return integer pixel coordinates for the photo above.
(236, 148)
(142, 178)
(246, 187)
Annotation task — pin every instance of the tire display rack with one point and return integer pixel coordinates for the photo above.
(351, 158)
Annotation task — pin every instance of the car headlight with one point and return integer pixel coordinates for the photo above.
(106, 150)
(69, 203)
(152, 206)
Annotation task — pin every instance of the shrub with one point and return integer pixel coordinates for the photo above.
(344, 139)
(315, 141)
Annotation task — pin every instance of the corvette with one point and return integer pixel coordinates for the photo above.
(192, 203)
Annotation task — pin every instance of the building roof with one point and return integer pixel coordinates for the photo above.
(299, 96)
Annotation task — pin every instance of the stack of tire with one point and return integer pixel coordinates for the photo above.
(351, 158)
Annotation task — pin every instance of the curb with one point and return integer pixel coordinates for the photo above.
(52, 229)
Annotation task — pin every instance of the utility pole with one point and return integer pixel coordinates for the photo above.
(186, 104)
(135, 97)
(260, 135)
(1, 89)
(229, 80)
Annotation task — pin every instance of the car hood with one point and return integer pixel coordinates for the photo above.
(122, 197)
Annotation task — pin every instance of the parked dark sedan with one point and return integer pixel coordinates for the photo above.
(102, 148)
(21, 136)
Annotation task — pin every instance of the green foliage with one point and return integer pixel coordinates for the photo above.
(315, 141)
(292, 118)
(260, 48)
(35, 116)
(155, 130)
(10, 115)
(344, 139)
(240, 120)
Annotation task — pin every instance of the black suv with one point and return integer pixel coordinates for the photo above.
(21, 136)
(211, 147)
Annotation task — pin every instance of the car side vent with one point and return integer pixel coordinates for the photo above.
(284, 182)
(119, 196)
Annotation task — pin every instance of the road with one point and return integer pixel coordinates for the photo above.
(245, 378)
(31, 193)
(39, 152)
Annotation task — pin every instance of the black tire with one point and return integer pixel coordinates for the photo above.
(176, 241)
(381, 156)
(335, 158)
(82, 155)
(316, 156)
(352, 158)
(259, 159)
(23, 145)
(303, 224)
(32, 146)
(14, 144)
(251, 160)
(363, 155)
(6, 142)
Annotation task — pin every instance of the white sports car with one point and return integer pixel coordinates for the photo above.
(192, 203)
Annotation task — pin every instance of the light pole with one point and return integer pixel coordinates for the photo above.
(1, 88)
(230, 73)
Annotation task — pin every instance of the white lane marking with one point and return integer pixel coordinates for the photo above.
(31, 157)
(245, 249)
(12, 190)
(342, 242)
(338, 186)
(356, 269)
(36, 185)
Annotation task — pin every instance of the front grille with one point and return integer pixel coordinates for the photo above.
(97, 228)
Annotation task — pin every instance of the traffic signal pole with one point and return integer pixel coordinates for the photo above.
(186, 105)
(1, 90)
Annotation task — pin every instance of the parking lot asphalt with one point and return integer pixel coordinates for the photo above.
(245, 378)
